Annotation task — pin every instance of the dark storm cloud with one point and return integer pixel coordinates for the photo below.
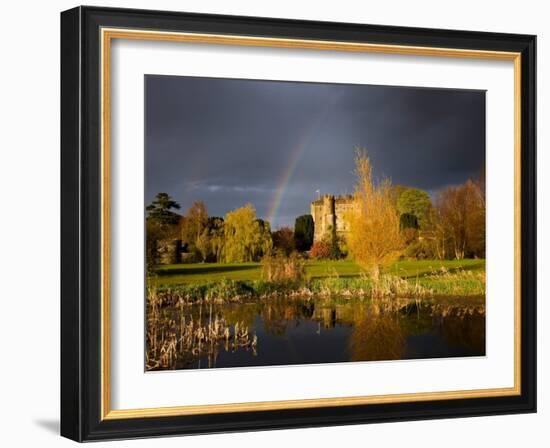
(229, 142)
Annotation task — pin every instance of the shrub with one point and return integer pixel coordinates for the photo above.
(420, 250)
(280, 268)
(409, 235)
(190, 257)
(321, 250)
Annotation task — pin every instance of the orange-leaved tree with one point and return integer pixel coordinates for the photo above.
(374, 238)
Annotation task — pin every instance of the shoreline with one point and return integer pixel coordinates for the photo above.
(462, 284)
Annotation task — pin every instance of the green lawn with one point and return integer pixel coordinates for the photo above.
(199, 273)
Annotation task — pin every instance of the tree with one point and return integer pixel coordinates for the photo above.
(160, 210)
(203, 245)
(215, 230)
(475, 228)
(440, 236)
(245, 237)
(461, 220)
(155, 232)
(160, 225)
(334, 242)
(452, 214)
(265, 243)
(374, 238)
(303, 232)
(193, 224)
(415, 202)
(396, 191)
(283, 239)
(408, 221)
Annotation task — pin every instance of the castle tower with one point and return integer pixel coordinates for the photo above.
(329, 212)
(324, 216)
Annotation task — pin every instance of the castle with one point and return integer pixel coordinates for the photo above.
(329, 213)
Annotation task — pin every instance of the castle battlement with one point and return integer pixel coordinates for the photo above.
(338, 199)
(329, 212)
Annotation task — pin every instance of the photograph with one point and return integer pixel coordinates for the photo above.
(293, 223)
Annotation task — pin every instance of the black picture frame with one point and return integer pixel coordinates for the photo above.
(81, 224)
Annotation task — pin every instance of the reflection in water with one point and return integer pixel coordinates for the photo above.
(376, 337)
(295, 331)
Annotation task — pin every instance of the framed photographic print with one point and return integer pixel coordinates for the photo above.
(274, 224)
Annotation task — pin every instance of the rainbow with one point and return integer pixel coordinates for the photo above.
(296, 156)
(284, 180)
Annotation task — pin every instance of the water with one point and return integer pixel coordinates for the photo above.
(302, 331)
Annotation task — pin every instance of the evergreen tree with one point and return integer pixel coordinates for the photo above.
(415, 202)
(303, 232)
(408, 221)
(160, 210)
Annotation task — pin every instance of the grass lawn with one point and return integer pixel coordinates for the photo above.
(198, 273)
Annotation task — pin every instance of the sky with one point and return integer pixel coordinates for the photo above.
(279, 144)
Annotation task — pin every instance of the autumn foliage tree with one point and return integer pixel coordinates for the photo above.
(193, 223)
(203, 245)
(460, 221)
(209, 244)
(215, 237)
(374, 238)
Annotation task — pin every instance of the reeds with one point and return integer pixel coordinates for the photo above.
(457, 282)
(279, 268)
(172, 342)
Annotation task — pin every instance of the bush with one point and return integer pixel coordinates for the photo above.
(321, 250)
(409, 235)
(190, 257)
(280, 268)
(420, 250)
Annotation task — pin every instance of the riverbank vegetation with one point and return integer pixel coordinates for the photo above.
(252, 281)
